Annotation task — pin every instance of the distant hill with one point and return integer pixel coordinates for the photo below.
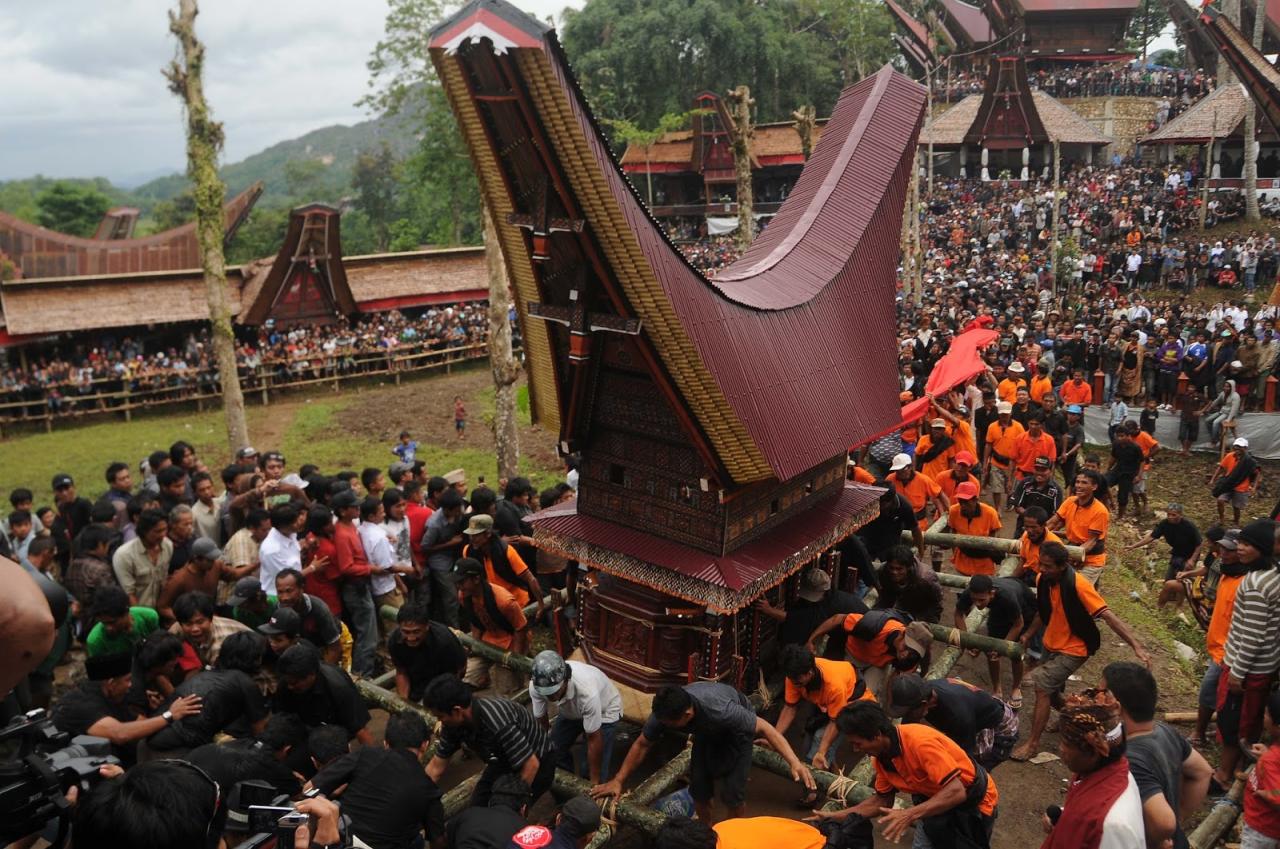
(325, 157)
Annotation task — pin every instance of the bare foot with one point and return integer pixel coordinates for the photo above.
(1025, 752)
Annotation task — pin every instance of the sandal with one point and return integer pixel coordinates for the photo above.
(1015, 701)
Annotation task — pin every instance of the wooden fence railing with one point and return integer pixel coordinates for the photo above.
(273, 375)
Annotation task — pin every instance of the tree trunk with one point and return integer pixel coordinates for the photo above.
(502, 363)
(805, 119)
(741, 132)
(204, 143)
(1251, 211)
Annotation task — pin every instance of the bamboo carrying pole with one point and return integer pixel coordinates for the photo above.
(954, 637)
(996, 545)
(1215, 826)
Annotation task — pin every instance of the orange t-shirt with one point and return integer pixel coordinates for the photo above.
(1057, 632)
(1073, 394)
(1228, 464)
(1029, 448)
(517, 565)
(962, 433)
(1215, 639)
(1146, 442)
(985, 524)
(927, 761)
(1007, 390)
(1029, 551)
(1003, 440)
(938, 466)
(876, 651)
(918, 491)
(1079, 521)
(491, 633)
(753, 832)
(948, 483)
(861, 475)
(839, 680)
(1040, 387)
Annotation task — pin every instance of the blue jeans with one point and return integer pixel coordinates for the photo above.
(357, 604)
(1209, 686)
(1108, 387)
(565, 732)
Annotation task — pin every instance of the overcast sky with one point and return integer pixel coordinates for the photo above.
(83, 95)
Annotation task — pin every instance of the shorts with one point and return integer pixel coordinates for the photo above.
(998, 481)
(723, 760)
(1176, 565)
(1238, 500)
(1209, 686)
(1189, 431)
(1240, 714)
(1140, 486)
(1092, 574)
(1051, 675)
(1252, 839)
(994, 745)
(459, 424)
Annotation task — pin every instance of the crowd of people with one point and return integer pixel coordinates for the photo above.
(1176, 87)
(65, 379)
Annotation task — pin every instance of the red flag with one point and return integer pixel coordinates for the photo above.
(962, 361)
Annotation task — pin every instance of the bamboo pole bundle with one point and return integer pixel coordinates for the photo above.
(1215, 826)
(996, 545)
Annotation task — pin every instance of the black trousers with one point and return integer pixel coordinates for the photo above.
(541, 781)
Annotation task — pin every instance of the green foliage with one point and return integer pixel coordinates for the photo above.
(399, 68)
(305, 179)
(1148, 21)
(628, 133)
(175, 212)
(374, 183)
(641, 59)
(18, 197)
(71, 208)
(1168, 57)
(439, 192)
(260, 235)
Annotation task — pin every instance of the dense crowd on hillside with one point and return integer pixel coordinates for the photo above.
(1179, 86)
(65, 378)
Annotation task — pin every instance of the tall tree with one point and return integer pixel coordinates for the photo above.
(304, 180)
(858, 34)
(438, 187)
(1252, 212)
(644, 138)
(374, 181)
(71, 208)
(741, 134)
(204, 142)
(806, 118)
(502, 363)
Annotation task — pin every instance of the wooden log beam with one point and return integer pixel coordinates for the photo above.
(996, 545)
(971, 640)
(946, 661)
(459, 798)
(516, 662)
(660, 783)
(567, 785)
(770, 760)
(1213, 828)
(389, 613)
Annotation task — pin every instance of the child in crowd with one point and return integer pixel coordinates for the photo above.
(459, 417)
(406, 449)
(1147, 420)
(1262, 791)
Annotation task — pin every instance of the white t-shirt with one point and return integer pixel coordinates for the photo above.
(590, 697)
(277, 553)
(378, 549)
(1124, 828)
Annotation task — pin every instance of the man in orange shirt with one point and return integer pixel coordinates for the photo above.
(1076, 390)
(1084, 521)
(1001, 445)
(828, 684)
(1008, 388)
(1033, 536)
(957, 798)
(958, 474)
(934, 450)
(1149, 446)
(958, 427)
(752, 832)
(971, 517)
(496, 618)
(502, 562)
(1215, 638)
(923, 492)
(1241, 474)
(1041, 384)
(1068, 606)
(1033, 444)
(857, 474)
(876, 640)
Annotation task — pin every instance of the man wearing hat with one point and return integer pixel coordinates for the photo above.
(1038, 489)
(247, 455)
(923, 493)
(74, 515)
(934, 450)
(202, 572)
(980, 723)
(495, 617)
(1001, 444)
(877, 640)
(588, 705)
(283, 630)
(1251, 656)
(457, 478)
(815, 602)
(1234, 479)
(1072, 442)
(970, 517)
(575, 825)
(502, 563)
(1007, 389)
(960, 472)
(97, 706)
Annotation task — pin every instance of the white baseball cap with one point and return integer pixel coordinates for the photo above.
(1004, 408)
(900, 462)
(1240, 442)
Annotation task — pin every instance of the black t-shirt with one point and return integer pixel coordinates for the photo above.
(388, 797)
(243, 760)
(1155, 761)
(319, 627)
(1011, 599)
(885, 531)
(228, 696)
(963, 711)
(1183, 537)
(332, 700)
(1128, 457)
(439, 653)
(805, 616)
(81, 707)
(484, 828)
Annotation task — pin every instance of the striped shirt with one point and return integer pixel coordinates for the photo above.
(1253, 641)
(501, 733)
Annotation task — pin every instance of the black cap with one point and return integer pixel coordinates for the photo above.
(468, 567)
(907, 692)
(345, 499)
(285, 621)
(107, 666)
(580, 816)
(62, 479)
(1261, 535)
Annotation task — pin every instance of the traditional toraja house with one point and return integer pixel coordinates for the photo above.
(39, 252)
(1260, 78)
(309, 280)
(691, 172)
(963, 29)
(1009, 130)
(712, 416)
(914, 39)
(1071, 31)
(1218, 120)
(118, 223)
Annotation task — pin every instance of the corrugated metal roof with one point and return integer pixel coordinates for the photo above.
(1037, 6)
(970, 19)
(726, 582)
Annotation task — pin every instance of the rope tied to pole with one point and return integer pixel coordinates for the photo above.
(953, 637)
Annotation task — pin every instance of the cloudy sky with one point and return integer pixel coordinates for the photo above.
(83, 93)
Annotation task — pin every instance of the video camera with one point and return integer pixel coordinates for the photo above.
(270, 818)
(38, 765)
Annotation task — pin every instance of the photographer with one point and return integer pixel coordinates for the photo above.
(98, 707)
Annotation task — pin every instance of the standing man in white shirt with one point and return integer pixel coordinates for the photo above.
(384, 583)
(281, 549)
(587, 705)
